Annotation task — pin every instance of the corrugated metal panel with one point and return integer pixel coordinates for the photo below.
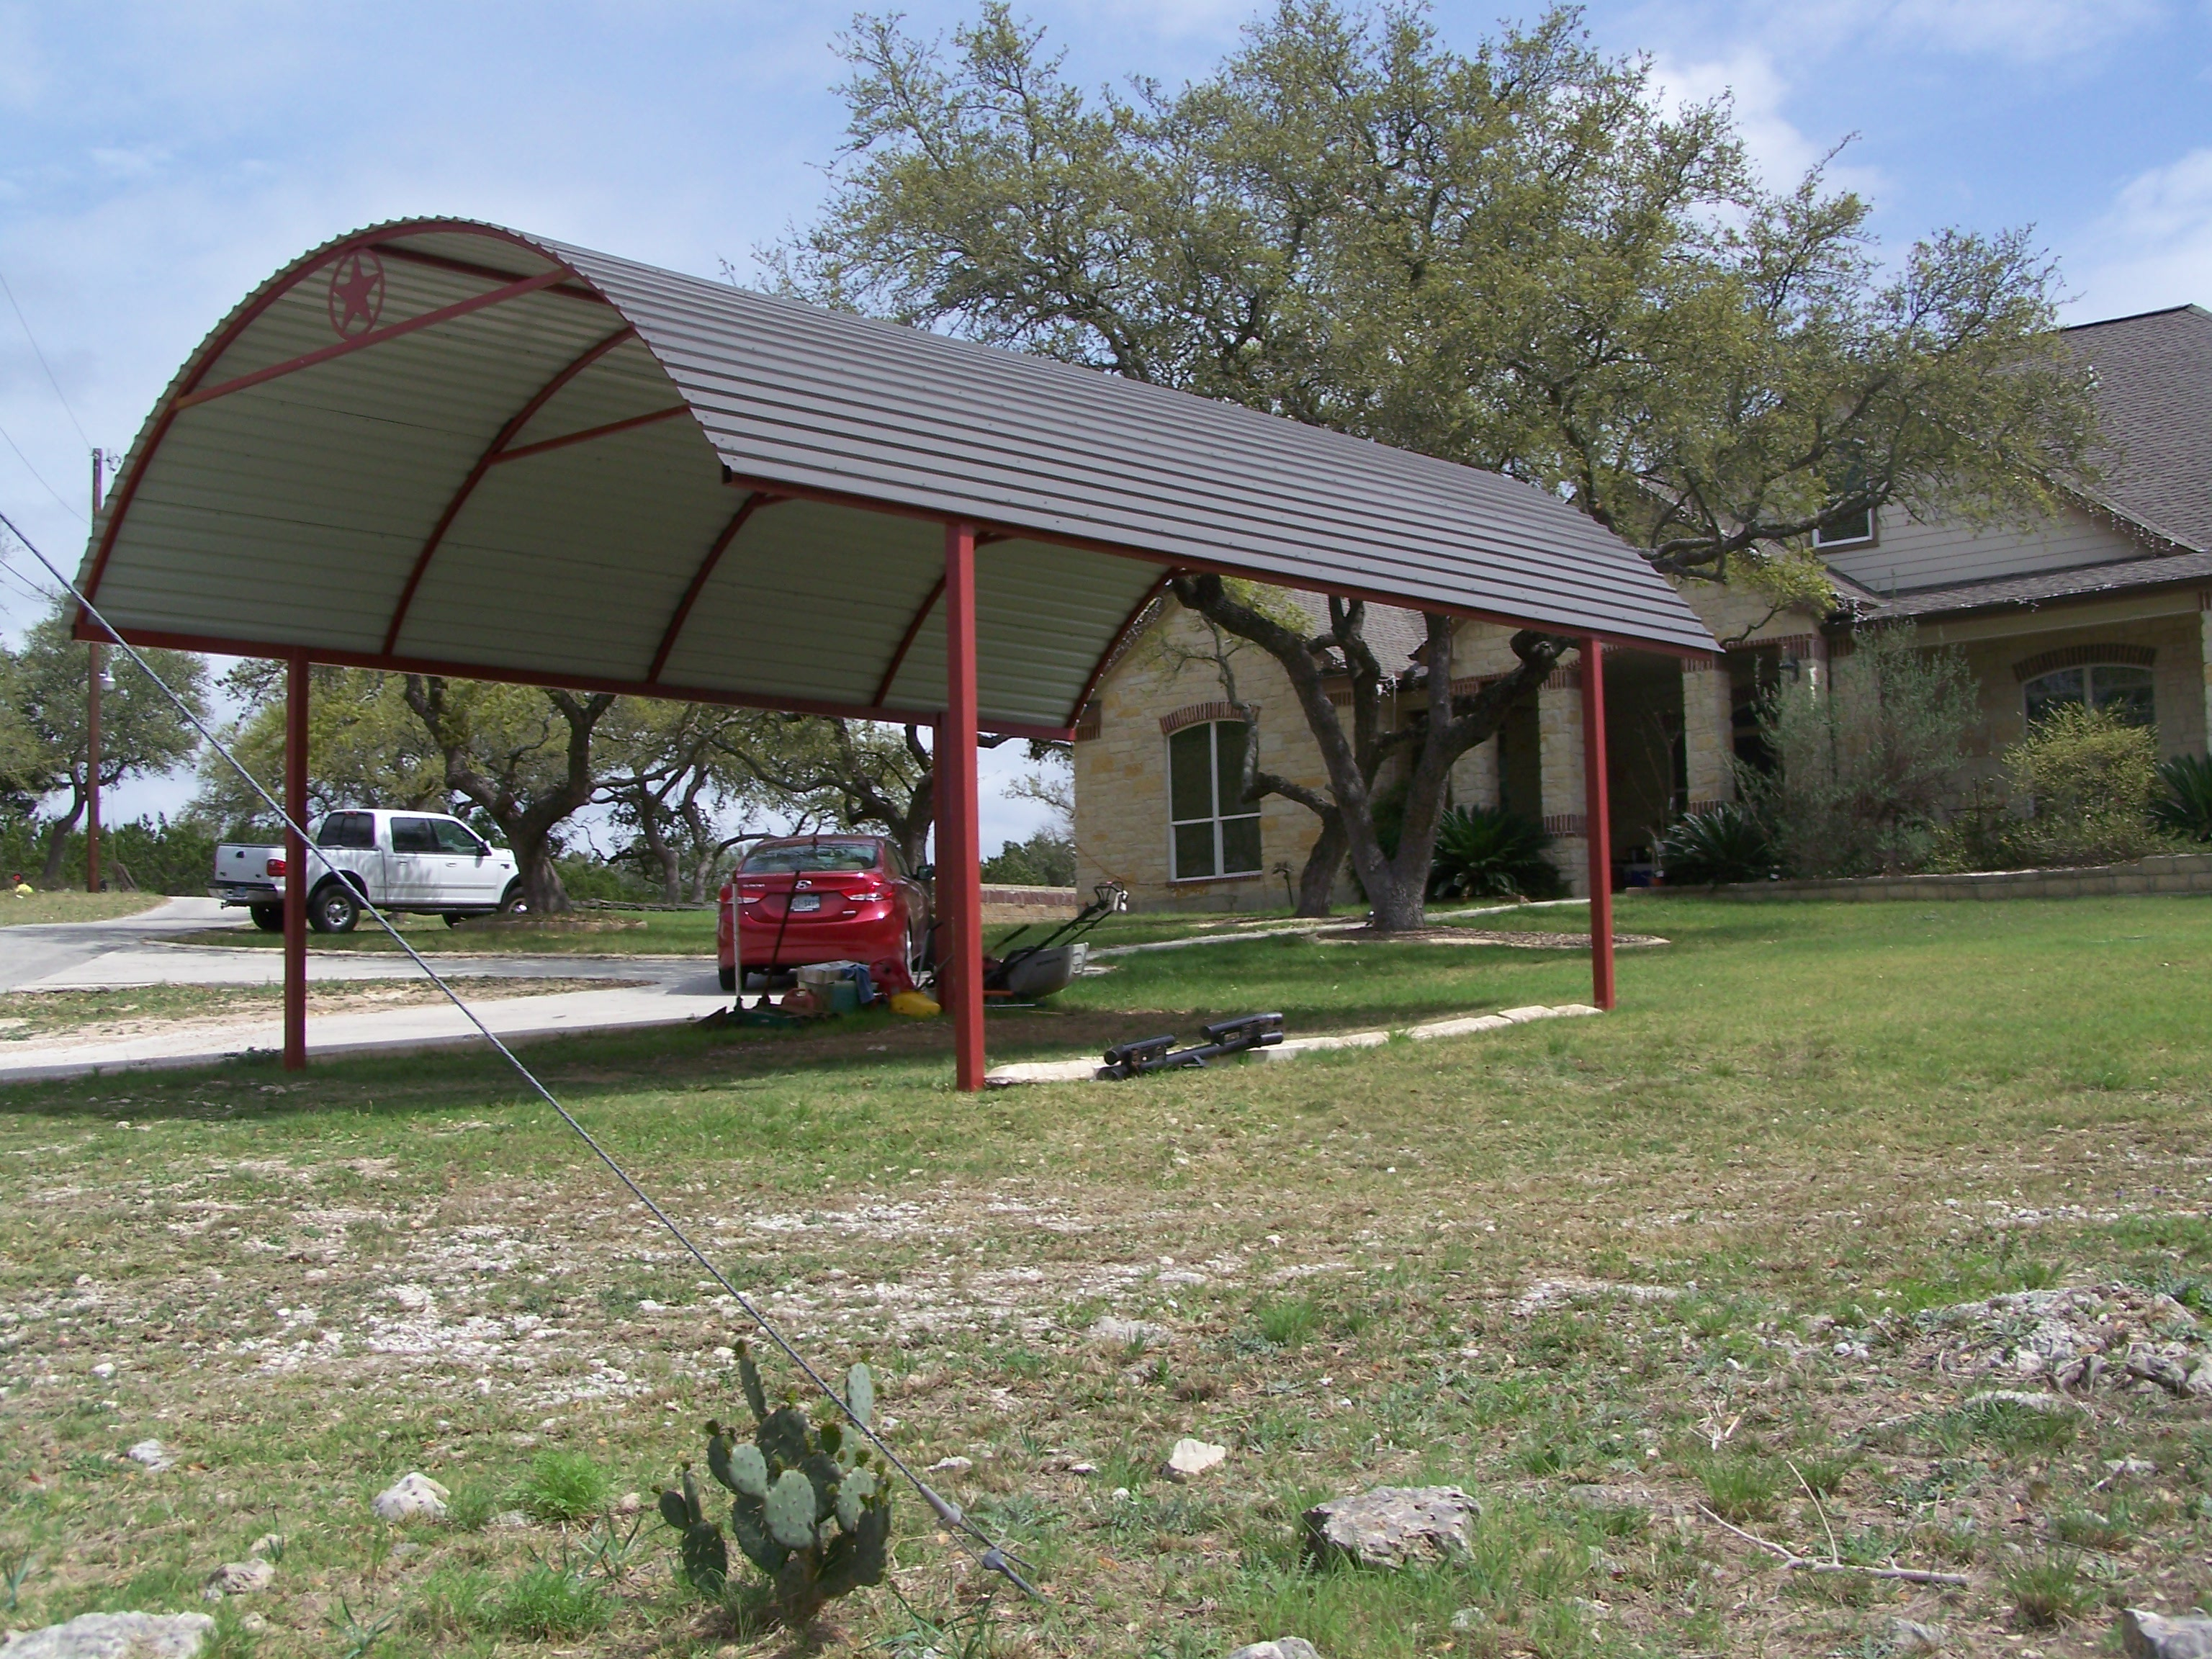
(299, 512)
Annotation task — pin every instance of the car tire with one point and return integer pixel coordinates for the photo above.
(334, 908)
(269, 918)
(454, 918)
(512, 903)
(729, 978)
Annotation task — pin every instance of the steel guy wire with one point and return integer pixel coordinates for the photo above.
(16, 305)
(992, 1556)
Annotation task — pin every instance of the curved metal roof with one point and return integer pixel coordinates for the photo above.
(444, 446)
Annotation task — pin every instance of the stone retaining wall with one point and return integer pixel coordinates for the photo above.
(2175, 873)
(1002, 903)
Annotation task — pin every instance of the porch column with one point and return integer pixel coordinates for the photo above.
(959, 851)
(1597, 816)
(295, 862)
(1708, 731)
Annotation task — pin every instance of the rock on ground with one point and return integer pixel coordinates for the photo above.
(2081, 1337)
(412, 1497)
(1191, 1458)
(241, 1579)
(2145, 1635)
(1128, 1333)
(152, 1454)
(1909, 1636)
(1393, 1526)
(116, 1636)
(1287, 1647)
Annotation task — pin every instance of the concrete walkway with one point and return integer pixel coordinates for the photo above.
(116, 955)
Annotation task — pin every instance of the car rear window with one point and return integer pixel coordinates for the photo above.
(354, 830)
(811, 858)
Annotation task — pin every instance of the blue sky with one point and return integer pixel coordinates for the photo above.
(156, 161)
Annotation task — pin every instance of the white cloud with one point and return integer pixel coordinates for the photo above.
(2154, 247)
(1748, 77)
(2019, 31)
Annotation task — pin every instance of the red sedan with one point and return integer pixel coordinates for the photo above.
(822, 898)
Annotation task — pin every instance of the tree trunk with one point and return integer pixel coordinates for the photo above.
(542, 886)
(1317, 880)
(57, 835)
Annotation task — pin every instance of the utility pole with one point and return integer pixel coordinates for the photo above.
(92, 726)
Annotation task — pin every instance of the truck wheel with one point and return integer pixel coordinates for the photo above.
(729, 977)
(512, 903)
(453, 918)
(334, 909)
(269, 918)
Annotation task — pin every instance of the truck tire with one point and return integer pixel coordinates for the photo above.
(334, 908)
(454, 918)
(729, 976)
(269, 918)
(511, 902)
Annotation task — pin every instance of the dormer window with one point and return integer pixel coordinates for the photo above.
(1855, 531)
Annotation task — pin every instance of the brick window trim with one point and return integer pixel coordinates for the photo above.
(1198, 713)
(2080, 656)
(1565, 824)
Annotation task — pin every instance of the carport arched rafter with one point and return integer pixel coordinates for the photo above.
(443, 446)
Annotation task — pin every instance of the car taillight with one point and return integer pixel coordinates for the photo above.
(275, 867)
(864, 895)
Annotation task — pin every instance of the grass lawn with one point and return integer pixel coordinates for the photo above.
(1600, 1273)
(73, 907)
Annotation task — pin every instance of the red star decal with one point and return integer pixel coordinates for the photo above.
(356, 294)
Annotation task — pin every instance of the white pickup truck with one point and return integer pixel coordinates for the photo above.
(423, 862)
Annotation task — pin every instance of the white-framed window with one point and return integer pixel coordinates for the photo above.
(2123, 687)
(1210, 831)
(1857, 530)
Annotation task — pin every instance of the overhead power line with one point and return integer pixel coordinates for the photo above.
(52, 380)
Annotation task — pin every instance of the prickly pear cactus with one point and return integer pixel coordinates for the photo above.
(808, 1507)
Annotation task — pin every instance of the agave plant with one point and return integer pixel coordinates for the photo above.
(1485, 852)
(2183, 804)
(1727, 843)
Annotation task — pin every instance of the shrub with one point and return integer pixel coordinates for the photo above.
(1485, 852)
(546, 1602)
(1728, 843)
(2183, 804)
(1861, 763)
(2089, 777)
(2050, 1591)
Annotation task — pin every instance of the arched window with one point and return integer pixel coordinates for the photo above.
(2123, 687)
(1211, 830)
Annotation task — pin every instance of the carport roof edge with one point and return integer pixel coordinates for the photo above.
(329, 471)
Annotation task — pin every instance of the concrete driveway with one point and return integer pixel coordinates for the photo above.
(137, 950)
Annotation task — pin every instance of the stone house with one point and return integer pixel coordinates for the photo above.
(2108, 601)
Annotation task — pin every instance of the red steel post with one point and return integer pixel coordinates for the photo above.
(95, 652)
(959, 853)
(1597, 824)
(295, 862)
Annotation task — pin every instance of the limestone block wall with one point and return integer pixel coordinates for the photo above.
(1121, 771)
(1708, 732)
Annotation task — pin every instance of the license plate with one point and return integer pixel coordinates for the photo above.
(806, 902)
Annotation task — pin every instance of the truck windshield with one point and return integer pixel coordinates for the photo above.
(811, 858)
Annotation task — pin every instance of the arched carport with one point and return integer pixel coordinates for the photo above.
(442, 446)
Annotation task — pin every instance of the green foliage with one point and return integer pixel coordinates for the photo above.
(1046, 858)
(810, 1508)
(2050, 1590)
(150, 855)
(1740, 1487)
(1727, 843)
(1863, 763)
(1485, 852)
(547, 1602)
(2089, 777)
(2184, 807)
(565, 1487)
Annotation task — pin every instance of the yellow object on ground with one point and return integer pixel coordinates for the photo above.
(915, 1005)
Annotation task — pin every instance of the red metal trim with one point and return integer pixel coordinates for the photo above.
(491, 273)
(959, 842)
(1597, 822)
(590, 432)
(221, 645)
(1184, 564)
(1114, 645)
(375, 336)
(907, 639)
(543, 396)
(295, 861)
(699, 577)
